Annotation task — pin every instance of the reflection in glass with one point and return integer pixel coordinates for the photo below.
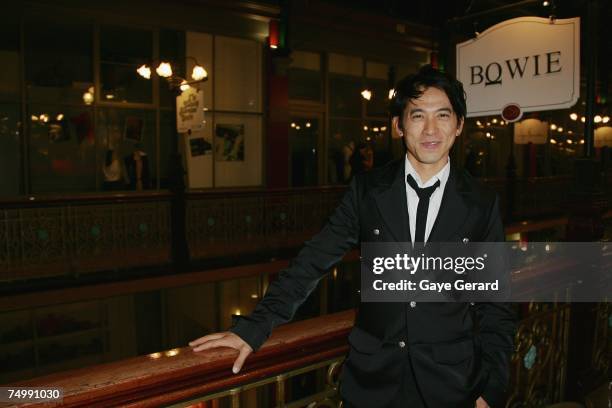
(345, 96)
(130, 135)
(61, 149)
(303, 136)
(58, 61)
(122, 51)
(345, 134)
(10, 154)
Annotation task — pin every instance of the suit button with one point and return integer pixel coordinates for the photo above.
(376, 231)
(466, 240)
(412, 303)
(471, 303)
(401, 344)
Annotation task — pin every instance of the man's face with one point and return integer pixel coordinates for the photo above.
(429, 128)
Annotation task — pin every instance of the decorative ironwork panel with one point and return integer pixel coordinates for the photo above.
(540, 360)
(255, 221)
(74, 239)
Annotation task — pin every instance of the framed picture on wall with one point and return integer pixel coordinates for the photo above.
(133, 128)
(229, 142)
(199, 147)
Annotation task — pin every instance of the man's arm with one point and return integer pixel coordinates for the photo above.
(497, 327)
(293, 285)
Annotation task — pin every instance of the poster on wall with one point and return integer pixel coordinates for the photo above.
(199, 147)
(525, 64)
(229, 142)
(133, 128)
(190, 110)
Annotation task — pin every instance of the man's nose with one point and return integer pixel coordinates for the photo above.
(430, 125)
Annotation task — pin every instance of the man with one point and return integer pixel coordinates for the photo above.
(404, 354)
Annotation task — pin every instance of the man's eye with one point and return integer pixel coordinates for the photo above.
(417, 116)
(444, 115)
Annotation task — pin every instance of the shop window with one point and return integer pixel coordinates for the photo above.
(303, 146)
(172, 50)
(122, 51)
(305, 76)
(168, 144)
(127, 132)
(237, 75)
(345, 135)
(58, 61)
(10, 151)
(377, 82)
(9, 61)
(61, 149)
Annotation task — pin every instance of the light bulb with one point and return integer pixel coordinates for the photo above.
(198, 73)
(164, 70)
(144, 72)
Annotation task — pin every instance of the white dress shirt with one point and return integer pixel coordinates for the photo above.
(434, 201)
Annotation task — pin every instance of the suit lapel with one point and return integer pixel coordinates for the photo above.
(391, 201)
(453, 209)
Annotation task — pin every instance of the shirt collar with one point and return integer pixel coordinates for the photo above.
(442, 175)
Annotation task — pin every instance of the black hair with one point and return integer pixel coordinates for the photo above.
(412, 87)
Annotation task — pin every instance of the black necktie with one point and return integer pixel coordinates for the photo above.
(421, 218)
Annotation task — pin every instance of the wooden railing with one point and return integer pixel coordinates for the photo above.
(182, 378)
(176, 375)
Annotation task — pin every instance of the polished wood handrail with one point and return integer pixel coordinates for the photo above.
(166, 377)
(84, 198)
(180, 374)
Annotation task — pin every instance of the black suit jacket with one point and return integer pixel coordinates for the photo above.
(452, 363)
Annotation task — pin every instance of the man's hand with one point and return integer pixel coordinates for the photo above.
(224, 339)
(481, 403)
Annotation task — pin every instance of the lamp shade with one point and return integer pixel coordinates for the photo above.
(530, 131)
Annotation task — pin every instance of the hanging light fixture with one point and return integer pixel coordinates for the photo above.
(367, 94)
(164, 70)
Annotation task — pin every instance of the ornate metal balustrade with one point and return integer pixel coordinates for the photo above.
(539, 364)
(70, 236)
(223, 223)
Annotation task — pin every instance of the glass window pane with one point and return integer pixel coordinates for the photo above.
(9, 61)
(378, 105)
(345, 135)
(168, 145)
(305, 76)
(10, 153)
(377, 135)
(58, 61)
(122, 51)
(200, 46)
(345, 96)
(62, 149)
(237, 75)
(130, 134)
(303, 136)
(172, 50)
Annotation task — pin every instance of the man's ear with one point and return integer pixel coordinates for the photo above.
(397, 131)
(460, 126)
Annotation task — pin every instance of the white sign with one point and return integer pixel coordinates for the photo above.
(190, 110)
(531, 62)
